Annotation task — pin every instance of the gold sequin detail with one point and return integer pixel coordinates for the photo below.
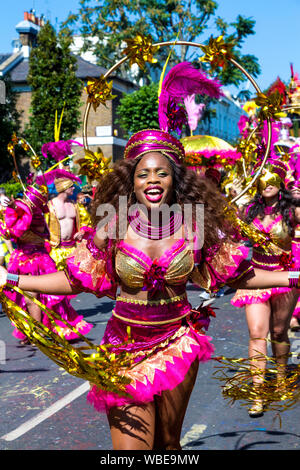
(169, 300)
(131, 272)
(144, 372)
(87, 263)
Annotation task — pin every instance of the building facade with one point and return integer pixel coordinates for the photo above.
(224, 124)
(102, 130)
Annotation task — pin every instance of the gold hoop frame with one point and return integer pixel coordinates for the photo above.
(20, 141)
(233, 62)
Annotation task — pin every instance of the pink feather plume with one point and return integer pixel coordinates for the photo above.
(48, 178)
(59, 149)
(184, 80)
(194, 111)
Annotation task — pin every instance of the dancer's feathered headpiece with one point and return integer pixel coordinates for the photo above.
(176, 107)
(179, 87)
(59, 149)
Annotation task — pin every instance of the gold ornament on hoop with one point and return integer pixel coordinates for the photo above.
(94, 165)
(15, 140)
(217, 52)
(99, 91)
(140, 50)
(35, 159)
(270, 106)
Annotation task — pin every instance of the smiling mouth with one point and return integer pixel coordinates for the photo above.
(154, 194)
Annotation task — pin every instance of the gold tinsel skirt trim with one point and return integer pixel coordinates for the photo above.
(95, 363)
(278, 390)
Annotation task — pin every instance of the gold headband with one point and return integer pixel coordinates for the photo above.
(269, 179)
(61, 184)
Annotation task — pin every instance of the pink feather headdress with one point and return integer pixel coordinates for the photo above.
(181, 82)
(50, 176)
(59, 149)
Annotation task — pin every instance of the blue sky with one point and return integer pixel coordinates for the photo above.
(276, 42)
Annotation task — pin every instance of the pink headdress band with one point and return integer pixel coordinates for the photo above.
(275, 166)
(38, 196)
(154, 140)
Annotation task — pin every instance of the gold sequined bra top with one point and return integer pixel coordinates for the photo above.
(277, 231)
(273, 258)
(137, 270)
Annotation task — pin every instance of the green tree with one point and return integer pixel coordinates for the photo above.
(138, 110)
(236, 33)
(52, 77)
(9, 123)
(113, 21)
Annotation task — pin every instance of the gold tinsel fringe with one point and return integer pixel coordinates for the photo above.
(99, 365)
(279, 392)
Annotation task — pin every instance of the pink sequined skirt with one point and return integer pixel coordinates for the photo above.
(36, 261)
(244, 297)
(162, 352)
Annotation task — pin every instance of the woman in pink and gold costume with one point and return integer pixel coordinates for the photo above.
(145, 263)
(293, 185)
(24, 223)
(271, 212)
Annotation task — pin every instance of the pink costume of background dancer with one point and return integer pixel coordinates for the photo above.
(25, 224)
(270, 310)
(284, 252)
(293, 185)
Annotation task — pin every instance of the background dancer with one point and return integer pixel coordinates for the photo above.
(67, 220)
(24, 223)
(270, 310)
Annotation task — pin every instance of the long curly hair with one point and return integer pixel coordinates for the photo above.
(284, 207)
(188, 188)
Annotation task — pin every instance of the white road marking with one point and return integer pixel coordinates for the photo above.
(58, 405)
(193, 434)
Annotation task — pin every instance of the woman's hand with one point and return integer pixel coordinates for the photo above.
(3, 276)
(79, 236)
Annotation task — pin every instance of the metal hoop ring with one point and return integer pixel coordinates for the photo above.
(236, 64)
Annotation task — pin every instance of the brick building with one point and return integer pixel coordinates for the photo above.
(102, 131)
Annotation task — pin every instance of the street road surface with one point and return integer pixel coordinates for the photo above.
(42, 407)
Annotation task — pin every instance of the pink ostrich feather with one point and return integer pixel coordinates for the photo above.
(48, 178)
(193, 110)
(59, 149)
(182, 81)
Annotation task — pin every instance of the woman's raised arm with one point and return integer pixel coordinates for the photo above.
(52, 284)
(262, 279)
